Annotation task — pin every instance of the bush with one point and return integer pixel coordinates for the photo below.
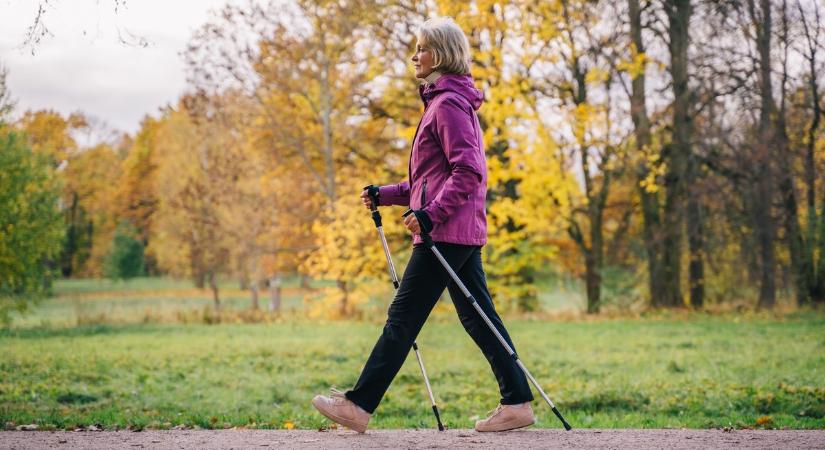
(125, 259)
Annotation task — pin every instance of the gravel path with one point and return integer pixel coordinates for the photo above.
(531, 438)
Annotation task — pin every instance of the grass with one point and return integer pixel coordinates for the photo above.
(700, 373)
(102, 353)
(81, 302)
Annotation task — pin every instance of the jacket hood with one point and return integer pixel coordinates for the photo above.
(449, 82)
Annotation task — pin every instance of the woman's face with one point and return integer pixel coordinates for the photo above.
(422, 61)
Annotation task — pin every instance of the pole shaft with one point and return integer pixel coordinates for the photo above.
(395, 282)
(391, 265)
(424, 373)
(495, 331)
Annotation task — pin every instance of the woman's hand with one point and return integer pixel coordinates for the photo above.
(411, 222)
(366, 199)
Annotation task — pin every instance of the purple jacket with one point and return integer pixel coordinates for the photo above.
(448, 158)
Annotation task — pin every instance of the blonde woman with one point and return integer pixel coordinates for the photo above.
(446, 190)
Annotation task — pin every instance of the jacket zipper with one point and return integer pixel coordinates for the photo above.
(424, 194)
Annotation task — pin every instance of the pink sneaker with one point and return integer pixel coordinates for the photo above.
(341, 410)
(507, 417)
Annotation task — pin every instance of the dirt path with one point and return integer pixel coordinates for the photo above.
(259, 439)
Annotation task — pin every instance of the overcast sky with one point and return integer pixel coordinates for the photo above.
(84, 66)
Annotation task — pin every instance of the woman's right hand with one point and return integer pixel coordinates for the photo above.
(366, 199)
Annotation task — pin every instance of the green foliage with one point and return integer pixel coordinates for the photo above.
(125, 259)
(30, 224)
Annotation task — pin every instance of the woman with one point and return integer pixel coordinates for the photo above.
(446, 190)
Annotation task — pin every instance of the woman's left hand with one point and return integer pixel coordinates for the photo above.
(411, 222)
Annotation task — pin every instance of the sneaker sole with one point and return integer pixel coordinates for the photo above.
(340, 420)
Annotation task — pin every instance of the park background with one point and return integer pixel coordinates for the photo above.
(655, 214)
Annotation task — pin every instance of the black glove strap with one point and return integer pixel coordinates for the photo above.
(423, 220)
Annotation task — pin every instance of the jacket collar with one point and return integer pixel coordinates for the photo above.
(426, 89)
(432, 77)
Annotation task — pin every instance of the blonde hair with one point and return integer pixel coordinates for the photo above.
(451, 50)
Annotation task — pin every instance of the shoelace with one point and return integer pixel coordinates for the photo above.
(337, 396)
(491, 413)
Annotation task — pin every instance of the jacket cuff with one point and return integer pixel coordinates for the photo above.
(388, 195)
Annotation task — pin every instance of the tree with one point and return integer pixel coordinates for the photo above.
(323, 111)
(6, 101)
(90, 178)
(136, 196)
(39, 29)
(596, 145)
(189, 237)
(811, 20)
(30, 224)
(645, 159)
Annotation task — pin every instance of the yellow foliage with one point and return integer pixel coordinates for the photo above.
(349, 251)
(636, 65)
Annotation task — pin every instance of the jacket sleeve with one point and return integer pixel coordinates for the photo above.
(455, 127)
(394, 194)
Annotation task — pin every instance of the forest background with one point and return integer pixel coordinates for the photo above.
(660, 154)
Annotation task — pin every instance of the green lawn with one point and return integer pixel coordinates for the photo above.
(698, 373)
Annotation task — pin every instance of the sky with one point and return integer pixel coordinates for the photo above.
(85, 67)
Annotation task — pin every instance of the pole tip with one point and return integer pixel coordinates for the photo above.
(563, 422)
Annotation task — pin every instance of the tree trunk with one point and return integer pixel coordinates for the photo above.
(275, 293)
(696, 241)
(820, 264)
(765, 234)
(592, 281)
(677, 154)
(71, 242)
(679, 30)
(595, 261)
(342, 286)
(765, 227)
(650, 200)
(253, 288)
(196, 267)
(794, 235)
(213, 284)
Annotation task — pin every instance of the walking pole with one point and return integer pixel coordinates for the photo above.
(428, 241)
(376, 217)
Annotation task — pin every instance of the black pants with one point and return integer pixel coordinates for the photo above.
(423, 282)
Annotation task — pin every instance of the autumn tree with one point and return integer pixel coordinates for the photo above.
(188, 236)
(88, 176)
(136, 197)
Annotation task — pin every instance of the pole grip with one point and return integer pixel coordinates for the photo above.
(425, 236)
(372, 191)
